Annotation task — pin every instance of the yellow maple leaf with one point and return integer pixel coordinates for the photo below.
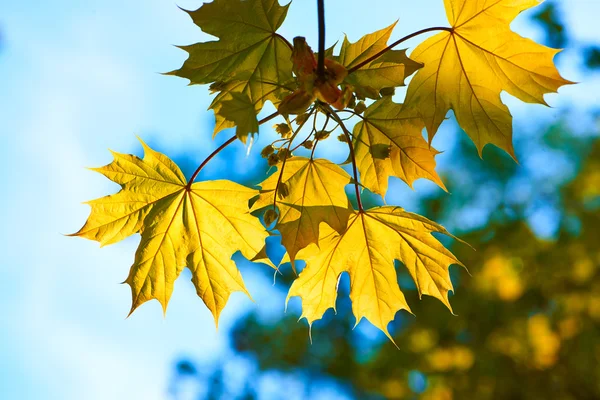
(199, 227)
(366, 251)
(468, 67)
(386, 124)
(315, 194)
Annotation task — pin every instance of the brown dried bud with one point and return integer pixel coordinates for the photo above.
(300, 119)
(273, 160)
(296, 103)
(322, 135)
(360, 107)
(283, 190)
(270, 216)
(342, 138)
(388, 91)
(283, 129)
(283, 154)
(308, 144)
(267, 151)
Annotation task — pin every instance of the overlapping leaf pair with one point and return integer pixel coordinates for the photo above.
(201, 225)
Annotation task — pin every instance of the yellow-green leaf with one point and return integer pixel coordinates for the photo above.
(468, 67)
(386, 124)
(389, 70)
(199, 227)
(240, 110)
(366, 251)
(249, 57)
(315, 194)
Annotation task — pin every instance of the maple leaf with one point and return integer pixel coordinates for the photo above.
(467, 68)
(389, 70)
(386, 125)
(366, 251)
(198, 227)
(240, 110)
(249, 57)
(315, 194)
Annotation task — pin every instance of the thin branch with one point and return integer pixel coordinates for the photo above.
(352, 155)
(396, 43)
(354, 114)
(219, 149)
(321, 60)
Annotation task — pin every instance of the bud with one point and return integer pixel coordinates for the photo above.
(360, 107)
(327, 92)
(336, 72)
(308, 144)
(282, 129)
(273, 160)
(342, 138)
(283, 154)
(322, 135)
(296, 103)
(283, 190)
(300, 119)
(270, 216)
(388, 91)
(267, 151)
(303, 58)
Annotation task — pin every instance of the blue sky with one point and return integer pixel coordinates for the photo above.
(78, 78)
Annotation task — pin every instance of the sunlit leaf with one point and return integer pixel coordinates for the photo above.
(389, 70)
(366, 251)
(199, 227)
(249, 57)
(316, 194)
(386, 124)
(467, 69)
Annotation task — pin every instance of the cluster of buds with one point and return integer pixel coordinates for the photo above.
(275, 156)
(311, 86)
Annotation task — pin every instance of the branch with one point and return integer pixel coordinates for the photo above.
(219, 149)
(321, 60)
(352, 155)
(396, 43)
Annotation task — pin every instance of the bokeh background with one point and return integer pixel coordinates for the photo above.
(78, 78)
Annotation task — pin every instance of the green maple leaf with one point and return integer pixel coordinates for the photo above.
(389, 70)
(241, 111)
(249, 57)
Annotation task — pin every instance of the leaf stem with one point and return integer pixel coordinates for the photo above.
(352, 155)
(321, 59)
(396, 43)
(188, 187)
